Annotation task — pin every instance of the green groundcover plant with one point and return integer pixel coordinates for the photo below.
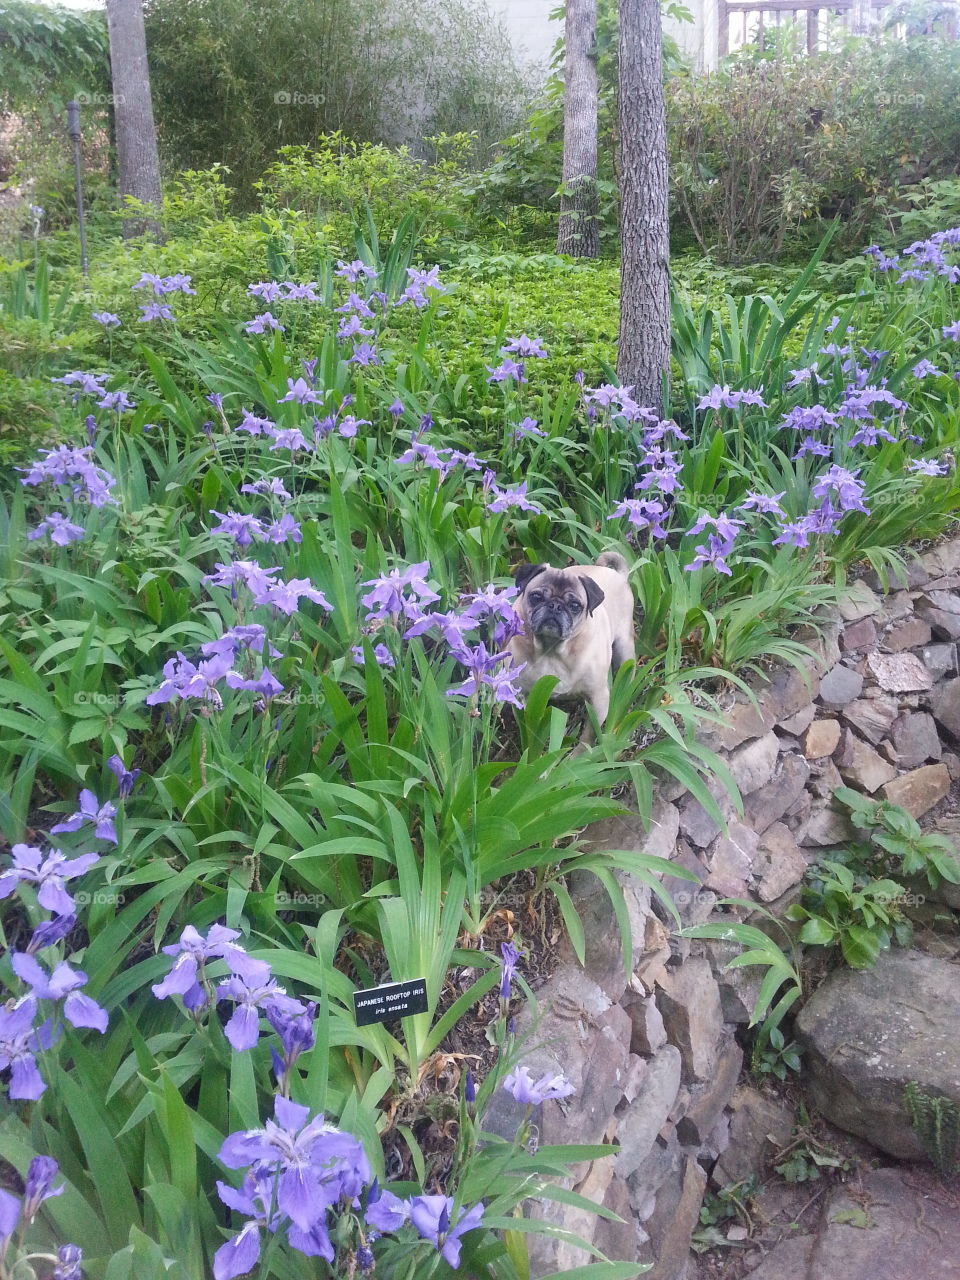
(262, 745)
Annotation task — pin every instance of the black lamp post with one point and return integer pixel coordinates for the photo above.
(73, 128)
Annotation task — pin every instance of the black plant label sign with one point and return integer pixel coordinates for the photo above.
(392, 1000)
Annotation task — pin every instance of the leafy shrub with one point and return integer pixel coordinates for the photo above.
(762, 148)
(233, 83)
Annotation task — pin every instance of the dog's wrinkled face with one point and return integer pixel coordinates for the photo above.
(555, 602)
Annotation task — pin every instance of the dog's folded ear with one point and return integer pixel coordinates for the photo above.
(594, 593)
(528, 571)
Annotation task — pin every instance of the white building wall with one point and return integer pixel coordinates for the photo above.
(529, 26)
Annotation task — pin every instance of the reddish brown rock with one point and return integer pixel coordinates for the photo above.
(861, 766)
(860, 635)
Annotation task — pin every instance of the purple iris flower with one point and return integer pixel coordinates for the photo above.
(39, 1186)
(389, 597)
(9, 1217)
(69, 1258)
(184, 679)
(723, 398)
(352, 327)
(482, 666)
(193, 951)
(155, 311)
(528, 427)
(50, 932)
(766, 504)
(508, 371)
(952, 331)
(293, 292)
(845, 484)
(495, 602)
(266, 291)
(925, 369)
(263, 322)
(285, 597)
(794, 534)
(514, 496)
(91, 810)
(118, 400)
(18, 1046)
(48, 874)
(354, 271)
(255, 426)
(431, 1216)
(524, 347)
(381, 655)
(61, 530)
(273, 488)
(241, 527)
(266, 683)
(927, 467)
(642, 513)
(125, 777)
(299, 390)
(714, 553)
(286, 529)
(511, 956)
(87, 384)
(357, 305)
(236, 639)
(396, 409)
(288, 438)
(816, 448)
(521, 1085)
(293, 1022)
(869, 434)
(106, 318)
(312, 1160)
(799, 376)
(364, 355)
(63, 984)
(385, 1211)
(243, 1029)
(452, 626)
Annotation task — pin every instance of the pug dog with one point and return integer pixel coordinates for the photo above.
(577, 624)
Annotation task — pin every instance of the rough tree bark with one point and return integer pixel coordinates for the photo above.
(578, 233)
(644, 347)
(137, 159)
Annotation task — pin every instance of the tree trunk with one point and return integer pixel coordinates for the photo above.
(578, 233)
(644, 348)
(137, 159)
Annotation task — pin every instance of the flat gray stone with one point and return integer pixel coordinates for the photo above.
(897, 1224)
(858, 602)
(944, 623)
(752, 765)
(940, 660)
(768, 804)
(861, 766)
(758, 1127)
(689, 1001)
(867, 1033)
(871, 717)
(779, 863)
(915, 740)
(730, 860)
(945, 705)
(643, 1119)
(840, 685)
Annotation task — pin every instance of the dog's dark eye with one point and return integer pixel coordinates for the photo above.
(574, 606)
(535, 596)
